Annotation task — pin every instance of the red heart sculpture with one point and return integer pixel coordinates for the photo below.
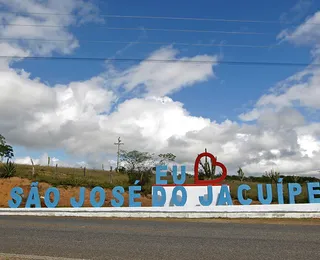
(214, 162)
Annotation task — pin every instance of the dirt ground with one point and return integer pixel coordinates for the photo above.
(65, 193)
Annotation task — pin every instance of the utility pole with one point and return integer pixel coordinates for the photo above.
(118, 159)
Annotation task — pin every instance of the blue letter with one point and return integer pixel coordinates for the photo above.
(33, 198)
(15, 194)
(155, 197)
(294, 189)
(280, 191)
(224, 196)
(116, 192)
(175, 175)
(240, 195)
(208, 200)
(79, 204)
(268, 200)
(133, 196)
(93, 201)
(160, 173)
(56, 198)
(174, 199)
(312, 192)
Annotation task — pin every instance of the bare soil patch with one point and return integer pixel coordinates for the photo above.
(66, 193)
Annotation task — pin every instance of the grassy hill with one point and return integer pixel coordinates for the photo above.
(63, 176)
(89, 178)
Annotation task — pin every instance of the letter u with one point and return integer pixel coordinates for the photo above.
(268, 200)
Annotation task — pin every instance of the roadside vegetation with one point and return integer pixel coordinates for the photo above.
(139, 166)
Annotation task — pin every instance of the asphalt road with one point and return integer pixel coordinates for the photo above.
(79, 238)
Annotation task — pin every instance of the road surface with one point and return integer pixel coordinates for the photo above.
(88, 238)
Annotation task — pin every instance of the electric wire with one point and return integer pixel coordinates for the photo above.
(144, 43)
(164, 18)
(256, 63)
(145, 29)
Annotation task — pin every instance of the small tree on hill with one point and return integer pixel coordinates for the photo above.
(295, 178)
(8, 169)
(136, 161)
(272, 175)
(165, 159)
(6, 150)
(241, 174)
(138, 165)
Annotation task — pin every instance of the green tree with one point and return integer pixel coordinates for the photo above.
(165, 159)
(8, 169)
(240, 174)
(136, 161)
(138, 166)
(6, 150)
(272, 175)
(241, 177)
(295, 178)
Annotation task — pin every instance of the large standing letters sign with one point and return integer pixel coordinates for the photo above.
(203, 193)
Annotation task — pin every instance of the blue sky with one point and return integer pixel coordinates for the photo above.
(233, 90)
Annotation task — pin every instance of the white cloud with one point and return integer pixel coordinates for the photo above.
(299, 10)
(309, 145)
(78, 117)
(45, 26)
(306, 34)
(300, 90)
(297, 139)
(43, 113)
(160, 79)
(9, 50)
(43, 160)
(69, 117)
(252, 115)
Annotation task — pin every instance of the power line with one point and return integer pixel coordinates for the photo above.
(197, 19)
(256, 63)
(145, 29)
(147, 43)
(164, 18)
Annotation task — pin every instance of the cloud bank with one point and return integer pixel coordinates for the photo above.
(85, 118)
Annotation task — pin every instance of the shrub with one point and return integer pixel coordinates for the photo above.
(144, 179)
(122, 169)
(8, 170)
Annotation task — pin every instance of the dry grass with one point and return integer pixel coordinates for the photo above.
(70, 179)
(66, 193)
(253, 193)
(73, 176)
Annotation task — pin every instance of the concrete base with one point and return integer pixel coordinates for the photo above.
(254, 211)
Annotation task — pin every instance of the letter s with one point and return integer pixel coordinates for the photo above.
(15, 194)
(117, 194)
